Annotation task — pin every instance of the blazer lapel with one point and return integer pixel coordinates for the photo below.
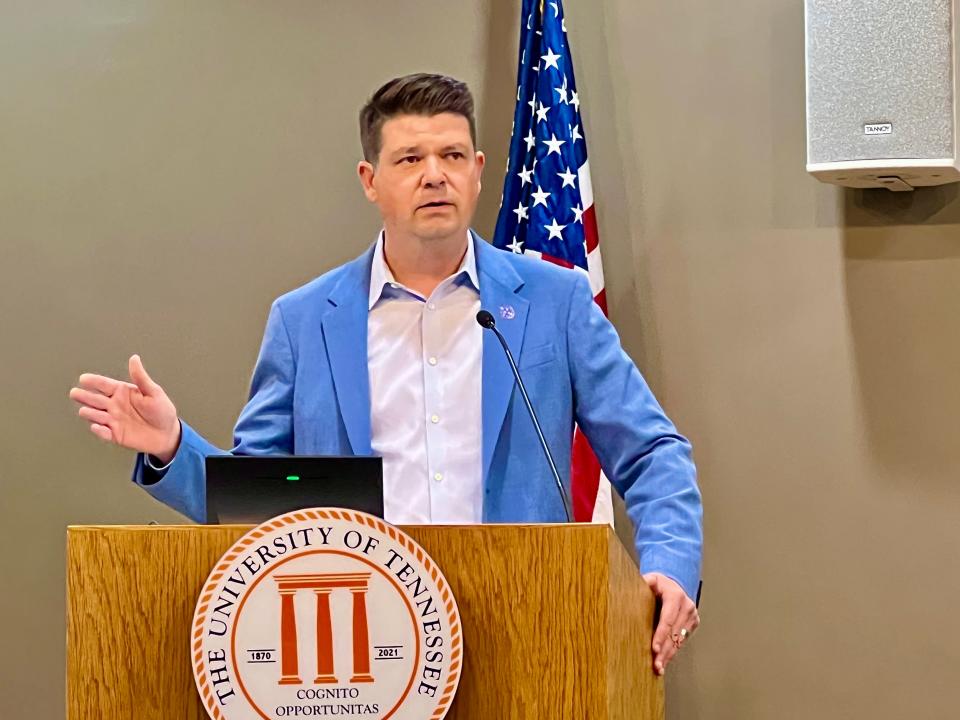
(345, 335)
(499, 284)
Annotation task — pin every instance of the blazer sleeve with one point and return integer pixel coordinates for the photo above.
(265, 427)
(646, 459)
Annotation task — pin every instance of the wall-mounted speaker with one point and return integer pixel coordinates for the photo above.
(882, 92)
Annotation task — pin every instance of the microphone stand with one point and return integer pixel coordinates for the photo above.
(485, 319)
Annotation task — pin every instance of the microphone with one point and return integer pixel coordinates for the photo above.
(485, 319)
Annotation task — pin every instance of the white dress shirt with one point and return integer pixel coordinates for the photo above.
(424, 359)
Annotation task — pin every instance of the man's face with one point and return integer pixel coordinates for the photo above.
(427, 177)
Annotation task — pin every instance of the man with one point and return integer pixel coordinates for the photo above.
(383, 356)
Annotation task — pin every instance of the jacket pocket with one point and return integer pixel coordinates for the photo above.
(539, 355)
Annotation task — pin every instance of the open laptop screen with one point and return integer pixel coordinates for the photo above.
(248, 489)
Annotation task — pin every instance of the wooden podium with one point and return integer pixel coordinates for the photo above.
(557, 621)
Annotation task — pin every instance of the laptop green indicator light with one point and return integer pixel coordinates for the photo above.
(293, 477)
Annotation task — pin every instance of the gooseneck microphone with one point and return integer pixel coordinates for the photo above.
(485, 319)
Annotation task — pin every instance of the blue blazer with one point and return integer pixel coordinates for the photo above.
(310, 395)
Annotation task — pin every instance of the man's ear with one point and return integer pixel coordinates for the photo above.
(367, 174)
(481, 161)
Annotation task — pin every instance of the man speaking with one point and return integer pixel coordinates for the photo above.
(384, 356)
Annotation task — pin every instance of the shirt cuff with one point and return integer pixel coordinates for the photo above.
(149, 460)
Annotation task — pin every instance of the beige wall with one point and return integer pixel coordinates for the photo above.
(169, 169)
(166, 170)
(805, 338)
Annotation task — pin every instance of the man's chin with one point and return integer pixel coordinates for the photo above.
(438, 230)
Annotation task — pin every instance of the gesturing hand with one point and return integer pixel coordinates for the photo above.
(678, 619)
(136, 415)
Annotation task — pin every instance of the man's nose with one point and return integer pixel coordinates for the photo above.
(433, 175)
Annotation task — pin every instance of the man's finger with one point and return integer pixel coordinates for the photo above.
(687, 619)
(662, 641)
(691, 622)
(102, 432)
(653, 581)
(684, 622)
(98, 417)
(99, 383)
(141, 379)
(91, 399)
(670, 649)
(685, 625)
(668, 618)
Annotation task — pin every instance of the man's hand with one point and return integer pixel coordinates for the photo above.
(136, 415)
(678, 619)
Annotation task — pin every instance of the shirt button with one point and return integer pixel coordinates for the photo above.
(434, 419)
(432, 361)
(438, 476)
(431, 306)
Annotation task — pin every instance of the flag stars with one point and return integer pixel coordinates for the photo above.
(555, 230)
(525, 176)
(542, 113)
(548, 179)
(540, 197)
(553, 144)
(550, 59)
(568, 178)
(561, 91)
(530, 139)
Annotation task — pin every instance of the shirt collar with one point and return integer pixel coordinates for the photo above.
(380, 274)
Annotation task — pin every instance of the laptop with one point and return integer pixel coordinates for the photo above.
(249, 489)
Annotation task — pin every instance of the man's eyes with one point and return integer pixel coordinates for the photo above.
(411, 159)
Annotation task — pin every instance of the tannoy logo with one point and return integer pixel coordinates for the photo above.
(878, 129)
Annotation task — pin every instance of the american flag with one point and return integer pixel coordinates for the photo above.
(547, 207)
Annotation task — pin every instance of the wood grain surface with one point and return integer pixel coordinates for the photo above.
(556, 621)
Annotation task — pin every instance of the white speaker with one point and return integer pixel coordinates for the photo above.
(882, 92)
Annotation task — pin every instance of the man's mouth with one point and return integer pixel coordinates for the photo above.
(435, 204)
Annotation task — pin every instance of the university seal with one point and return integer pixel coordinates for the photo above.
(326, 613)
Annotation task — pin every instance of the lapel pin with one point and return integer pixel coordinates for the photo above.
(507, 312)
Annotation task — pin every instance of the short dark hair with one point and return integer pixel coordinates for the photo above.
(417, 94)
